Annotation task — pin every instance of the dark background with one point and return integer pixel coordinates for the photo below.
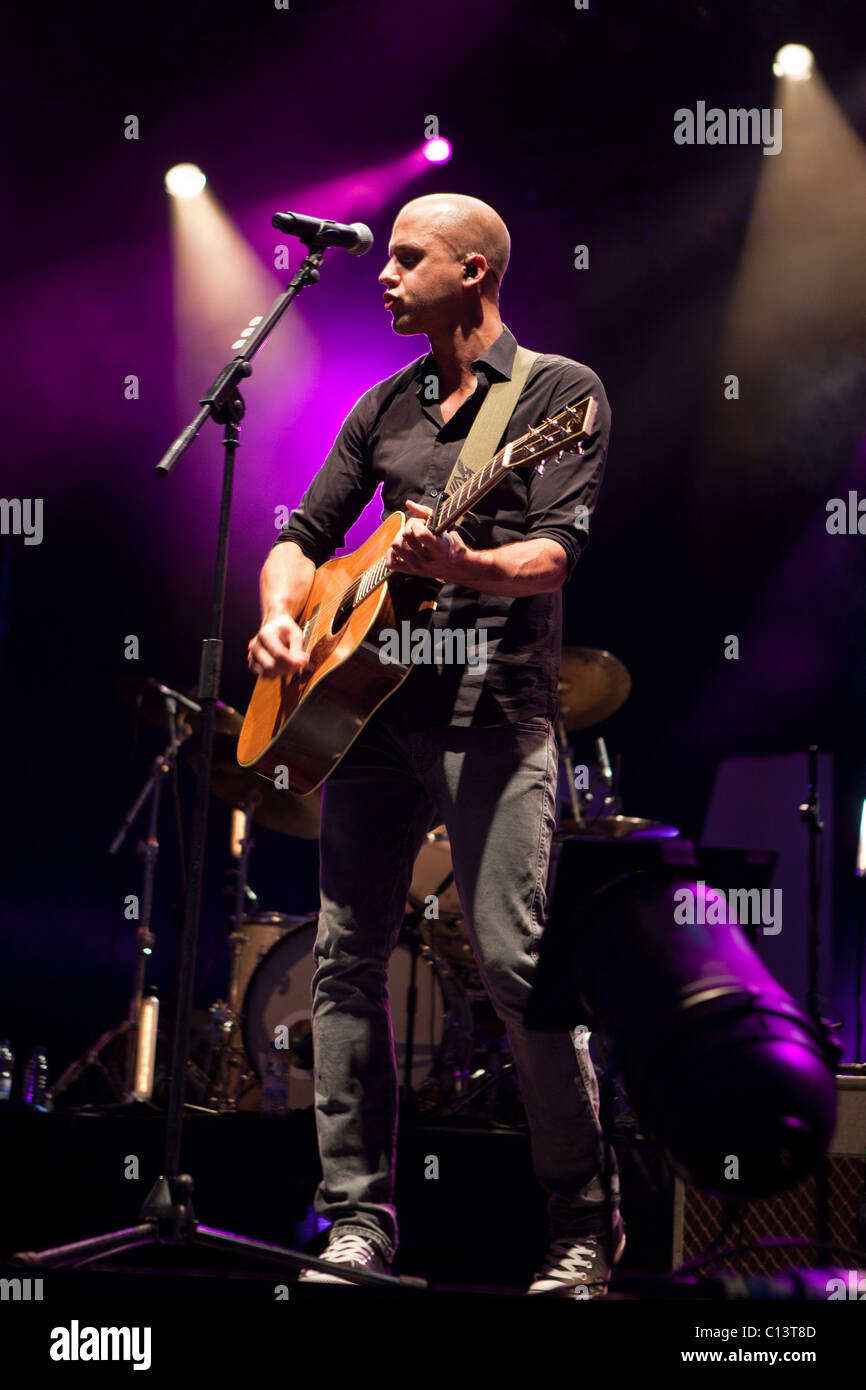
(563, 121)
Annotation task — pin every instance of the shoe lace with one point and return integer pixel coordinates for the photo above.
(564, 1257)
(349, 1247)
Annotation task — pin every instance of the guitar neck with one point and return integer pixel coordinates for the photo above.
(462, 501)
(537, 444)
(570, 426)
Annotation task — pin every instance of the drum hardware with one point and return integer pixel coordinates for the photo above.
(226, 1016)
(433, 876)
(438, 856)
(232, 1074)
(568, 767)
(279, 995)
(602, 785)
(592, 686)
(148, 696)
(454, 1055)
(459, 1075)
(616, 828)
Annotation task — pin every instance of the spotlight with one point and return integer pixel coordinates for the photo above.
(438, 151)
(795, 62)
(184, 181)
(725, 1073)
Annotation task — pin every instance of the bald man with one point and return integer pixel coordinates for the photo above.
(469, 744)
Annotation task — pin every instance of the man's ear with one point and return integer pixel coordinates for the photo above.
(472, 270)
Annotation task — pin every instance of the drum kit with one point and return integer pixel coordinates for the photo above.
(451, 1048)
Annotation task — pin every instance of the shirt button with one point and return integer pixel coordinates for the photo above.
(434, 492)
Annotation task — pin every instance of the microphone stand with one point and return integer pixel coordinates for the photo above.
(167, 1217)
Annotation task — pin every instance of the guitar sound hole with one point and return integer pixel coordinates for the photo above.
(341, 617)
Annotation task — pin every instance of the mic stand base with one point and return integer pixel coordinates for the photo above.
(167, 1218)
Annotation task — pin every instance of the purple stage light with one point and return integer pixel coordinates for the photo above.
(438, 151)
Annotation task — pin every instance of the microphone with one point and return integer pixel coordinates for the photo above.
(356, 238)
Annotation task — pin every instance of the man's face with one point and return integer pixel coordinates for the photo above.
(423, 277)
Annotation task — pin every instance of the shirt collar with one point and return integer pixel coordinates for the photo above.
(499, 358)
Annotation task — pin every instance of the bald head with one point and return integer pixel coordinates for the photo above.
(467, 225)
(446, 257)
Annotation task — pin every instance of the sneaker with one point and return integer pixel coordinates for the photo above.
(347, 1249)
(578, 1268)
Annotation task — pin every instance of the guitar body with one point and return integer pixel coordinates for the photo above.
(307, 723)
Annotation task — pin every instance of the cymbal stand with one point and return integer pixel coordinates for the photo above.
(612, 799)
(228, 1016)
(452, 993)
(565, 759)
(148, 851)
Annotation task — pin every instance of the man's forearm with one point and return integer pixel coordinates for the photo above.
(518, 569)
(286, 578)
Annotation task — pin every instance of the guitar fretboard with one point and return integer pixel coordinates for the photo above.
(571, 425)
(547, 438)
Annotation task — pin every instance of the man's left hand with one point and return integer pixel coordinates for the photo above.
(417, 551)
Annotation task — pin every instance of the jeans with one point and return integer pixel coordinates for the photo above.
(495, 790)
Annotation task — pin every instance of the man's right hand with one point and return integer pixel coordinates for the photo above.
(277, 648)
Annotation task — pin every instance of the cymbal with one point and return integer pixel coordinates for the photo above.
(616, 828)
(277, 809)
(147, 696)
(592, 685)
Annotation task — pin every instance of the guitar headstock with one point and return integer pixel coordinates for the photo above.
(570, 426)
(567, 429)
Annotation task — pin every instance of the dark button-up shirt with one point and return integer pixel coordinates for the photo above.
(395, 437)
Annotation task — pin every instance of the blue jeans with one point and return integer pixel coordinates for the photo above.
(494, 788)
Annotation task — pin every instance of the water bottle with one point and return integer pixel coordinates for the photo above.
(35, 1085)
(7, 1064)
(275, 1100)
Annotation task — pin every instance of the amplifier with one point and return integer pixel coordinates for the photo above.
(700, 1219)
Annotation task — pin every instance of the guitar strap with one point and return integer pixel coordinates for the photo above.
(491, 421)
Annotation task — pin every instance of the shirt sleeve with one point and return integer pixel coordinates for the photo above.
(561, 502)
(338, 493)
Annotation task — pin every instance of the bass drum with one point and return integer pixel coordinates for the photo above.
(280, 993)
(257, 936)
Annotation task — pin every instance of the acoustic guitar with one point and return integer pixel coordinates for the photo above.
(298, 727)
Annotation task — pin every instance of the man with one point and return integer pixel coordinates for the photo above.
(469, 745)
